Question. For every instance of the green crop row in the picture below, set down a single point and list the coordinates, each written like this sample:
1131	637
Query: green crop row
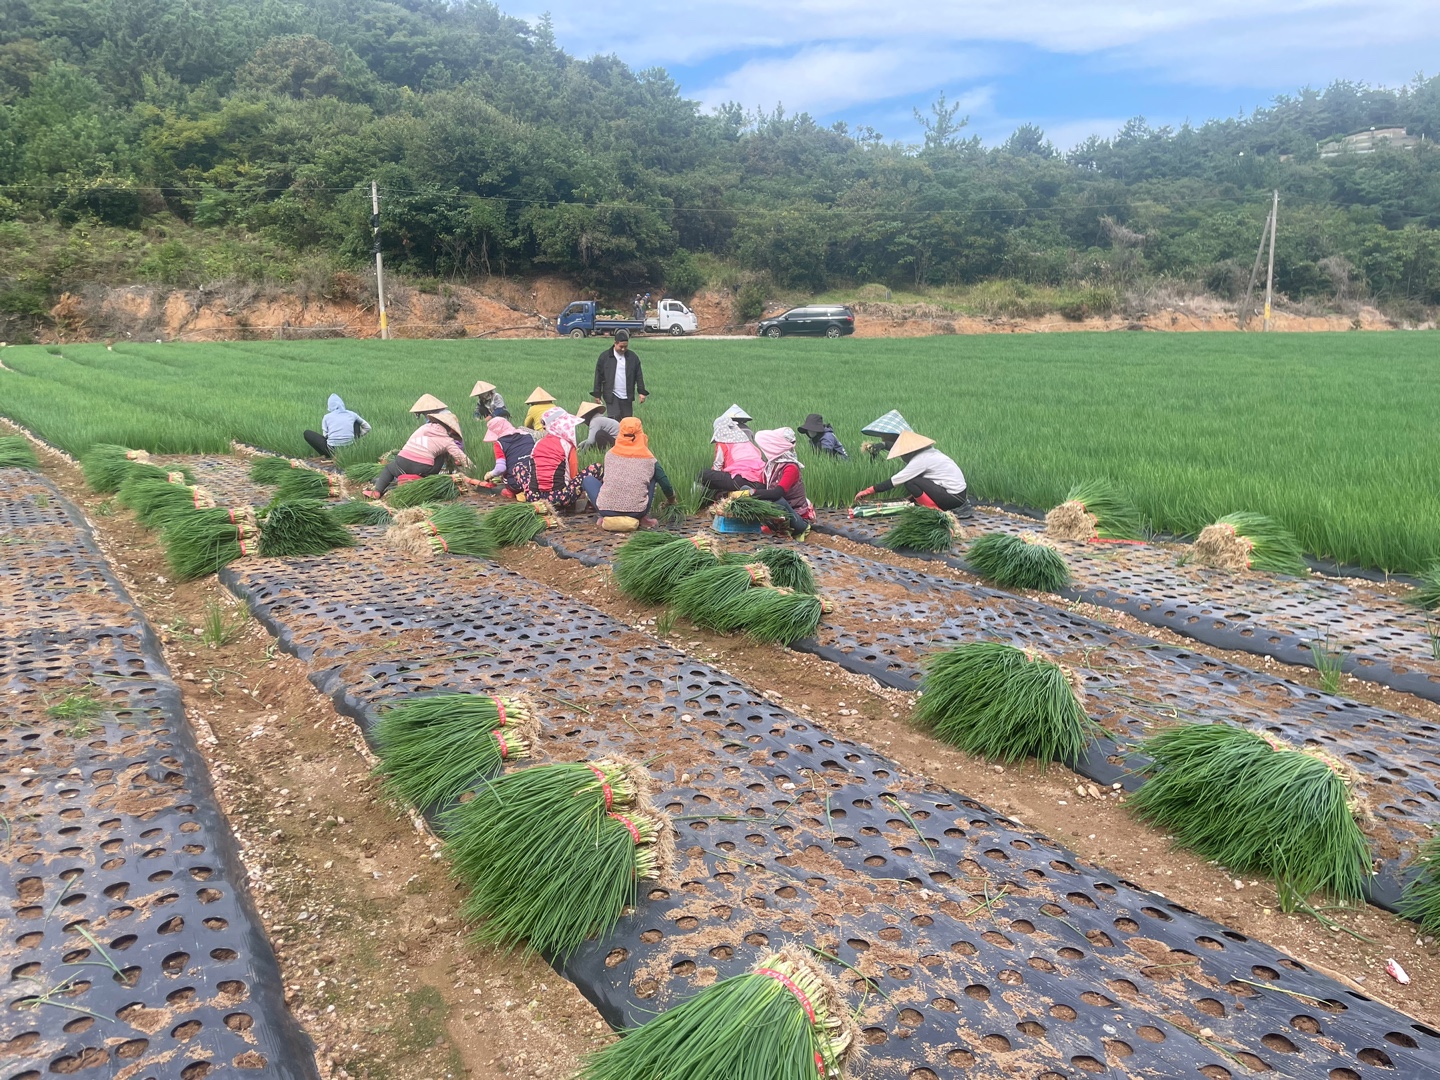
1332	434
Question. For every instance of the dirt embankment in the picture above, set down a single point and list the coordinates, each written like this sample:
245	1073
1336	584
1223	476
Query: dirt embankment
345	306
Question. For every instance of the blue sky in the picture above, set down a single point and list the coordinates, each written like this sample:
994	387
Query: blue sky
1072	67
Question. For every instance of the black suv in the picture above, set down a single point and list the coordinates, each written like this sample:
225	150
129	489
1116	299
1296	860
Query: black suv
832	320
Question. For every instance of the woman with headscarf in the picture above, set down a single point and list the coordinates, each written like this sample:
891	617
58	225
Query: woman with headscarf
930	478
553	472
884	432
822	436
437	443
737	465
340	427
626	488
488	401
512	446
783	482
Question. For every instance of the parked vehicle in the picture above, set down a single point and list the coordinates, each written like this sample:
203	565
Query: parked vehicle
832	320
584	317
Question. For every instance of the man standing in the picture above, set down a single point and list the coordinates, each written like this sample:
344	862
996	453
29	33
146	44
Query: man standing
619	383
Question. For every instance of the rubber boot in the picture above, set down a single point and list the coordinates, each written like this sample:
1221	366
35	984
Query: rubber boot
924	500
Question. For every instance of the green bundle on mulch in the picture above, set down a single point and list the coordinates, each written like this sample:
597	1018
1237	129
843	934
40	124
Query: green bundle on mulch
1250	542
1095	509
154	499
788	568
1004	703
1015	562
775	615
361	512
426	531
434	749
16	453
785	1019
741	507
1421	899
513	524
704	596
106	466
428	489
1256	805
271	469
649	570
554	853
202	541
922	528
301	527
1427	593
364	472
306	484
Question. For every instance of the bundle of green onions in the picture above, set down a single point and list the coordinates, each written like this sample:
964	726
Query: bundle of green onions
780	615
703	596
1004	703
307	484
301	527
153	499
1015	562
785	1019
788	568
881	509
271	469
1256	805
106	466
424	532
201	542
744	507
1245	541
434	749
516	523
1421	899
1427	593
428	489
1095	510
16	453
361	512
554	853
921	528
651	571
363	472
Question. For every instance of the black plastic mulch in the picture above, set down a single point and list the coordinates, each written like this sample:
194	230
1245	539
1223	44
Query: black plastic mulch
110	829
978	948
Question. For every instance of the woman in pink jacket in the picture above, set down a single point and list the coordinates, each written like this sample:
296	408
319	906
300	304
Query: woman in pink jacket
436	444
738	464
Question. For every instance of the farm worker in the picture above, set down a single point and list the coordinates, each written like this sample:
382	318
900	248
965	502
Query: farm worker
626	488
512	446
885	430
540	403
488	401
783	483
619	382
822	436
340	427
738	465
428	404
553	470
435	444
603	430
930	477
740	416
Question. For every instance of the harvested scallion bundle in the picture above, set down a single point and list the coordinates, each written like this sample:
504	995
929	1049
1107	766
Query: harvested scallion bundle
742	507
512	524
152	498
307	484
363	472
16	453
1092	510
922	528
301	527
361	512
1256	805
1015	562
1004	703
201	542
106	466
434	749
788	568
554	853
440	530
1250	542
775	615
707	592
1421	899
428	489
652	571
271	469
785	1019
1427	593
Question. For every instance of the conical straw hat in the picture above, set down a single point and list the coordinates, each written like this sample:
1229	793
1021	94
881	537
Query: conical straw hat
448	418
428	403
588	409
908	443
482	387
539	397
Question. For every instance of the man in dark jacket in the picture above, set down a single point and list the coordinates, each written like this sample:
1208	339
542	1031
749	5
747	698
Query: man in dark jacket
619	382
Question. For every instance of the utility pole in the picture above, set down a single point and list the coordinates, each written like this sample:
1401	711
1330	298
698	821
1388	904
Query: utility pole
1243	316
1270	275
380	268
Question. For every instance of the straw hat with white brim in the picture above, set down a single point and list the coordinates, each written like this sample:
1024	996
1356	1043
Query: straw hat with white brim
482	387
539	397
588	409
907	443
428	403
734	412
448	418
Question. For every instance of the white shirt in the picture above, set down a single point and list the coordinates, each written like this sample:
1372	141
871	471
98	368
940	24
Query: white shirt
620	385
933	465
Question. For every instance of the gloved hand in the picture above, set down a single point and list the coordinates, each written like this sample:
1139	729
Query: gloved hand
745	491
861	494
494	474
669	500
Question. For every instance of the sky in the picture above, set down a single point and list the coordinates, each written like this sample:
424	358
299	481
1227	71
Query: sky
1075	68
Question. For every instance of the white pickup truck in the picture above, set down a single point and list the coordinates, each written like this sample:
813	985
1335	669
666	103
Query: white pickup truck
582	318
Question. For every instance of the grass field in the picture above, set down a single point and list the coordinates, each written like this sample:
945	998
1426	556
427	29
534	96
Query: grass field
1334	434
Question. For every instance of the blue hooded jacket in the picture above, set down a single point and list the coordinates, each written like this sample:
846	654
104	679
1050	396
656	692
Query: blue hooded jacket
341	426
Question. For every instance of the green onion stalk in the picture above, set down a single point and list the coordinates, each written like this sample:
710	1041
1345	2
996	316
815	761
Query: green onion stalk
1257	806
106	466
707	592
1421	899
202	541
307	484
1004	703
152	499
1018	562
434	749
16	453
1427	593
516	523
881	509
301	527
785	1019
364	472
1095	510
1245	541
361	512
788	568
424	532
776	615
428	489
271	469
922	528
651	571
742	506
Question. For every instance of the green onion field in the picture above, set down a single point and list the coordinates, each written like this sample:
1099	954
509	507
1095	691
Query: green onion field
1334	434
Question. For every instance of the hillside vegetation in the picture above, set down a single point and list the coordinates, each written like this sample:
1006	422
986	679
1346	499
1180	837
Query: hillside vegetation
186	142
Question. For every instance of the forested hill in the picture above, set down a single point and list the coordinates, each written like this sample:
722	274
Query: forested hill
194	139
